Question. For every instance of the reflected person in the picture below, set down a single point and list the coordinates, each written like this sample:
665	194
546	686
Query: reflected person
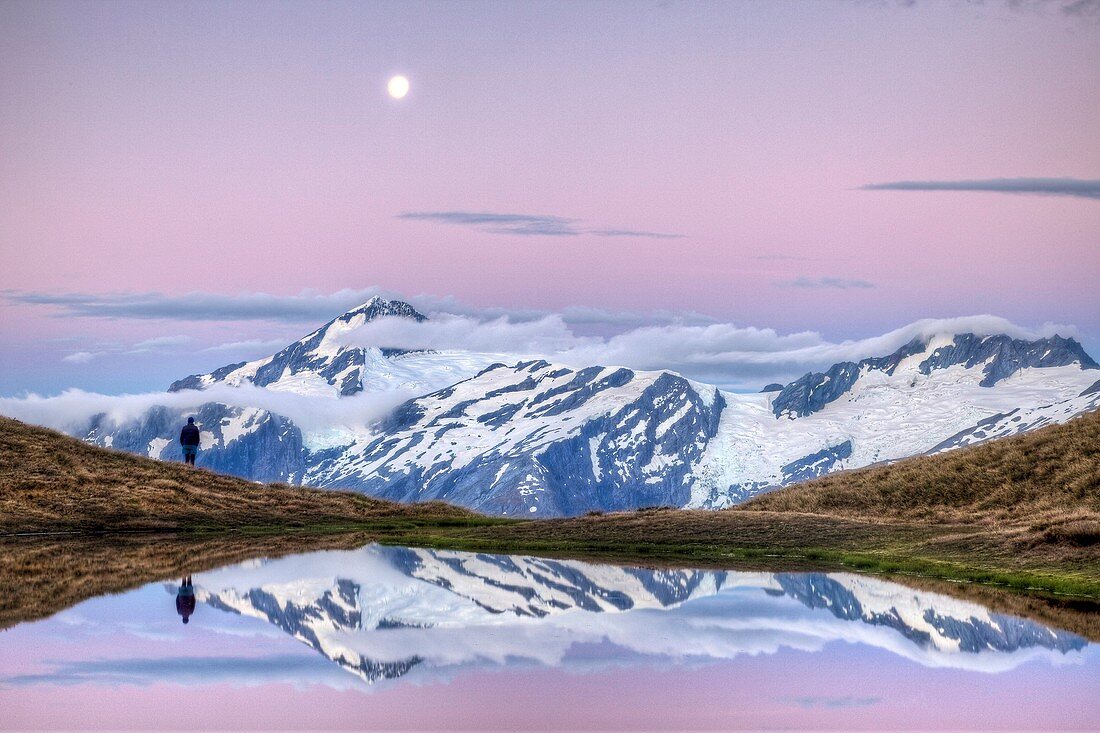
185	599
189	439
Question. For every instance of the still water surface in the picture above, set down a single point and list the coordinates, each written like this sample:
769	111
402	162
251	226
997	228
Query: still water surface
408	639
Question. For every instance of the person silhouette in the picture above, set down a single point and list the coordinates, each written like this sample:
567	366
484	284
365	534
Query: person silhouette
189	439
185	599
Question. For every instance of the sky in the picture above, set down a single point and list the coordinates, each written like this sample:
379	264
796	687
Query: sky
836	169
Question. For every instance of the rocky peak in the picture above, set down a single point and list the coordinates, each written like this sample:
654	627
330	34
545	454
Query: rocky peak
999	356
340	366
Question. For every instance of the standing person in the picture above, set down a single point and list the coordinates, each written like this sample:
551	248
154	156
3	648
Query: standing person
189	439
185	599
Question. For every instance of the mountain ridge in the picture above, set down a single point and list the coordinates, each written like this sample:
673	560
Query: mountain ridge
548	439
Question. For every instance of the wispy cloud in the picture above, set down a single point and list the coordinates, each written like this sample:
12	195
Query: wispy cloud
527	224
181	669
1081	7
257	346
160	343
840	283
307	306
81	357
522	224
1080	188
779	257
831	703
1071	8
632	233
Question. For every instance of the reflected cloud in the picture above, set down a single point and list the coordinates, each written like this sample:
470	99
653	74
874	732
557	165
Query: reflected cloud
181	669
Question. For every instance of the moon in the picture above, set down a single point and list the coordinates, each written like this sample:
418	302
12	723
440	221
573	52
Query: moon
398	87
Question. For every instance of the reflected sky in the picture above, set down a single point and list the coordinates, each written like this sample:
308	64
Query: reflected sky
405	639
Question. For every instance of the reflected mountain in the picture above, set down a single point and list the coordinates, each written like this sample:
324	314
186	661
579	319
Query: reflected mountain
384	612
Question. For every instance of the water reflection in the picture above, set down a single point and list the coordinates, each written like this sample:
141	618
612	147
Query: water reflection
185	598
395	638
383	613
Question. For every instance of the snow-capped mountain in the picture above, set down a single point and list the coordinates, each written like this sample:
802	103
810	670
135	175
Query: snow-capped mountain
385	612
540	439
322	364
537	437
243	441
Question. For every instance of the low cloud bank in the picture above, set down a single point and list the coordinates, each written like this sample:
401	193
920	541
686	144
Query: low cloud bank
733	357
71	410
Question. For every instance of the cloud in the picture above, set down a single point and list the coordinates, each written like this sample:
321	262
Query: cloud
832	703
731	356
160	343
700	347
71	410
180	669
1081	8
307	306
522	224
250	346
526	224
632	233
81	357
1089	189
1071	8
841	283
780	257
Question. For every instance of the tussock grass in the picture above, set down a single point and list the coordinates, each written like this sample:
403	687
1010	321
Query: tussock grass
1021	513
50	482
1043	487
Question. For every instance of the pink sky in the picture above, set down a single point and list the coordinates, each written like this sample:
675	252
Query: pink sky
843	686
250	147
747	695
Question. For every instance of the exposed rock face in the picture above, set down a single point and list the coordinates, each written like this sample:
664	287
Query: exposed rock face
942	628
548	439
816	464
1000	357
247	442
813	391
1003	356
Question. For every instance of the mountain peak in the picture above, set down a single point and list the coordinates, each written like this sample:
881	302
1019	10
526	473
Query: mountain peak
998	356
319	357
379	307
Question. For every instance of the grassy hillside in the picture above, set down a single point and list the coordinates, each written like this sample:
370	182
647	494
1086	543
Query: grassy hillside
50	482
1022	513
1045	483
